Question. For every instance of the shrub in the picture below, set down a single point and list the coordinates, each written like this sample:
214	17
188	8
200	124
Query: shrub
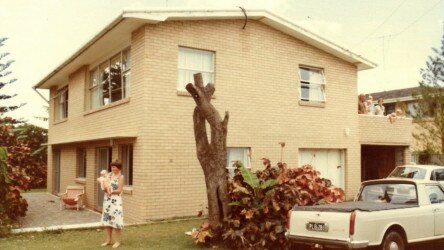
260	203
12	205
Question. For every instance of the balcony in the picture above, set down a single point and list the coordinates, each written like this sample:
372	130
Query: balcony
378	130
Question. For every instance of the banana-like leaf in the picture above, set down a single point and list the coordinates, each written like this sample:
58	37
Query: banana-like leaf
268	183
3	154
249	178
4	165
235	203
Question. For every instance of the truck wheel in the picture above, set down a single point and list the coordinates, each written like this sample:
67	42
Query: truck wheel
393	241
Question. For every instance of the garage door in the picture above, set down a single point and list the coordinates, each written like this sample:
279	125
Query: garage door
330	162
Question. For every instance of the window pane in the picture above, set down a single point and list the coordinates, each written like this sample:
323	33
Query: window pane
316	76
126	60
312	85
435	193
94	97
305	74
316	92
110	81
81	162
61	101
127	163
192	61
237	154
94	88
305	91
207	61
94	77
116	79
104	83
207	78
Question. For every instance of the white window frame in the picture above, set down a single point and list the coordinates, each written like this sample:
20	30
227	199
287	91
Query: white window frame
61	101
96	85
230	166
312	85
188	68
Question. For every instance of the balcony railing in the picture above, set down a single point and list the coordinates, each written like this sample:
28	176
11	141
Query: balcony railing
379	130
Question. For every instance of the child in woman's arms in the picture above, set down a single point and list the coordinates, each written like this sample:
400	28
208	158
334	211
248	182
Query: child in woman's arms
104	182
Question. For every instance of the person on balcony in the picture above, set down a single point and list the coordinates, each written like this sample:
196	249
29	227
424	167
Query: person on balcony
369	105
362	109
380	109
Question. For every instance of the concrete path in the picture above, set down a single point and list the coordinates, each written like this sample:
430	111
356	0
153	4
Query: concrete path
44	214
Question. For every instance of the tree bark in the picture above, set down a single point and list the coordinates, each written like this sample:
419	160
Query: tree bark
212	155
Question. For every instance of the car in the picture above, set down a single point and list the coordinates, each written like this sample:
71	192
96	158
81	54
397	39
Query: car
423	172
386	213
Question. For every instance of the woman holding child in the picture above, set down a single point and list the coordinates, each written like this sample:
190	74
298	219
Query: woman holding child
112	214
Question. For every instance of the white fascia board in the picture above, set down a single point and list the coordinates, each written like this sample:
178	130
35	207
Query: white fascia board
267	17
311	38
161	15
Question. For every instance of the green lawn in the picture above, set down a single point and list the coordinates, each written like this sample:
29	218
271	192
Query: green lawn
167	235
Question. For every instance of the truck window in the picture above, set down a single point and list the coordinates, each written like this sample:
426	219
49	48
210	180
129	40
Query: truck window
437	175
435	194
408	172
389	193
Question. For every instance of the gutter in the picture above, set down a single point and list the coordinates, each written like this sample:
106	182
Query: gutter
44	98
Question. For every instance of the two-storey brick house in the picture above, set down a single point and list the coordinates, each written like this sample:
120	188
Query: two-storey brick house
121	96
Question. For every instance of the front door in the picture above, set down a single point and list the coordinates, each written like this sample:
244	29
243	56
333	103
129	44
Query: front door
330	162
56	173
103	161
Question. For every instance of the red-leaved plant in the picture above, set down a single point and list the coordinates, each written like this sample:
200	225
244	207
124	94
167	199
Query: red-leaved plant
260	203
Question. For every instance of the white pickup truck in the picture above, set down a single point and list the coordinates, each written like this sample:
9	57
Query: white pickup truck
390	213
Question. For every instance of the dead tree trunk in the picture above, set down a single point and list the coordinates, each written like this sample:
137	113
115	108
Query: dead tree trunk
212	156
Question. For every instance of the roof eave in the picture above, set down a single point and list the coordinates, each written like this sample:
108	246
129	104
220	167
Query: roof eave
82	49
269	18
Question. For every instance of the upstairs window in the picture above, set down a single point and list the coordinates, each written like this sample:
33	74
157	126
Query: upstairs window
312	83
192	61
61	103
110	81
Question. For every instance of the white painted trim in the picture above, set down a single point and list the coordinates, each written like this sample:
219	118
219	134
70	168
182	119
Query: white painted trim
135	18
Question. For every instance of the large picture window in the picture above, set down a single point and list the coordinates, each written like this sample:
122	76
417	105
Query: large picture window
61	103
192	61
110	81
312	82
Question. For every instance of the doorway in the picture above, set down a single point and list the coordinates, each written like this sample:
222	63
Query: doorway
330	162
103	161
378	161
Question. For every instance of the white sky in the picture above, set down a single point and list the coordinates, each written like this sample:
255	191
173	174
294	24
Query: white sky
398	35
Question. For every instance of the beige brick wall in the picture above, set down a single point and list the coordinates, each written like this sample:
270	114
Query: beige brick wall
379	130
256	79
